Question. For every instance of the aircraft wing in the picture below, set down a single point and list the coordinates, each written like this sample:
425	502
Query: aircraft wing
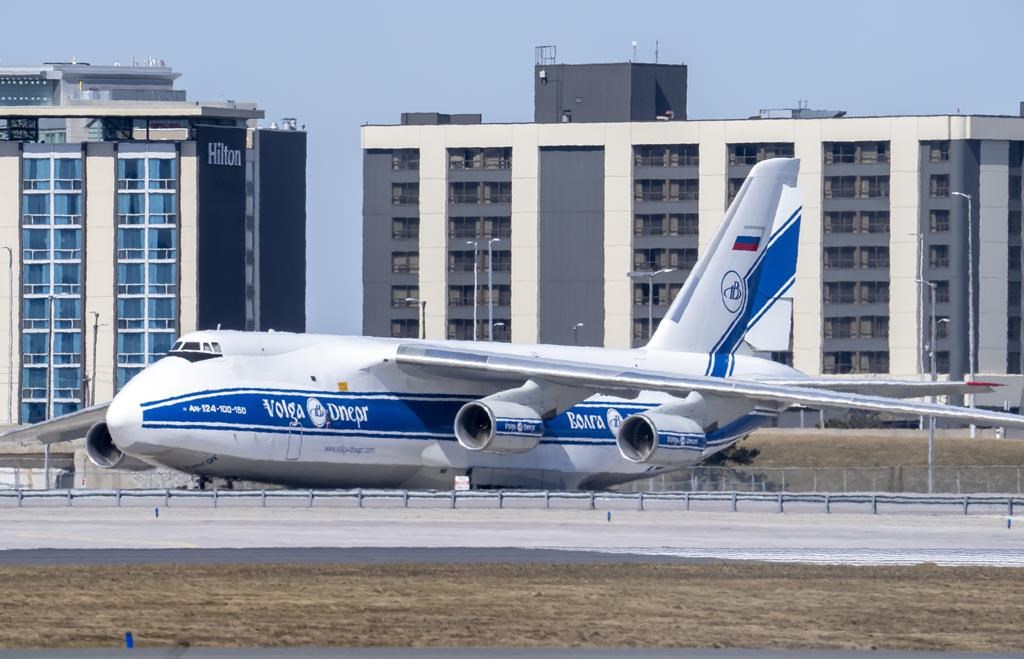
472	364
62	428
890	388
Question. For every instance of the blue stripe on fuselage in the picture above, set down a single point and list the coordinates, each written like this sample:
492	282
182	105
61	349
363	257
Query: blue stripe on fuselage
372	415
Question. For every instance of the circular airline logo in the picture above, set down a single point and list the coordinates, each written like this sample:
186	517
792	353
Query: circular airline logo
317	412
614	419
733	291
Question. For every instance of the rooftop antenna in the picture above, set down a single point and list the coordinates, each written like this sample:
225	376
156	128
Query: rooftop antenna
656	45
634	51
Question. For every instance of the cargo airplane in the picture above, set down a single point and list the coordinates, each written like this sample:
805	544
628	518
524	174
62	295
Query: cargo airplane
333	411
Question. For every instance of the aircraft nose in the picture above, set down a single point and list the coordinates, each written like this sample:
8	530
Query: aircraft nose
124	420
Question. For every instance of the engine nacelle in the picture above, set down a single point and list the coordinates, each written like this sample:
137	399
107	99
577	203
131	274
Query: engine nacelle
497	426
661	439
100	447
103	452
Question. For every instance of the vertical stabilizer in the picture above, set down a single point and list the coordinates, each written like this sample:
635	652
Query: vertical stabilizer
747	268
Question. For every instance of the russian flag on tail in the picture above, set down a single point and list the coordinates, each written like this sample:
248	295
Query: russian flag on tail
746	243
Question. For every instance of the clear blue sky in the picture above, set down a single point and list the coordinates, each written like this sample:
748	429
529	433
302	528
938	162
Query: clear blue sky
336	65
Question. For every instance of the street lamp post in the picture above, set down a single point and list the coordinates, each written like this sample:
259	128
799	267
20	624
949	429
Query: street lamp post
970	296
10	335
476	249
490	290
650	274
423	314
49	389
576	333
934	372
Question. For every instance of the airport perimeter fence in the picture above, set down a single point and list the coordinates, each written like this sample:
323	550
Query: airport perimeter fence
545	499
1003	479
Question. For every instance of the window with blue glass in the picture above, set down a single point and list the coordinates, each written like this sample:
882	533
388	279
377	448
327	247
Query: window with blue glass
51	275
147	262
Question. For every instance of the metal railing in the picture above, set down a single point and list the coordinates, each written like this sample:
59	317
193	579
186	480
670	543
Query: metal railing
957	480
499	498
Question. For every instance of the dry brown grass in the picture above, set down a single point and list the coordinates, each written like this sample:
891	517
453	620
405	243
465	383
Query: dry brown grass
853	448
729	605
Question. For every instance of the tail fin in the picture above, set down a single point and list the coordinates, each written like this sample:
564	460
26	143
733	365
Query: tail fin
748	266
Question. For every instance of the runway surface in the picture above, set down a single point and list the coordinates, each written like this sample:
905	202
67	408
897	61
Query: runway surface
500	653
440	535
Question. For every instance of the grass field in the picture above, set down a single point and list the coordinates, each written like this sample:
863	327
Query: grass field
713	605
876	448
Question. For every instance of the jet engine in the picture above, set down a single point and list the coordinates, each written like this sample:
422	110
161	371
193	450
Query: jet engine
103	452
661	439
498	426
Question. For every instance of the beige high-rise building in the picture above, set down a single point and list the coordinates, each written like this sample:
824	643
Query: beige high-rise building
131	216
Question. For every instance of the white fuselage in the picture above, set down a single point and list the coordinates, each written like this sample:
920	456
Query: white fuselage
329	411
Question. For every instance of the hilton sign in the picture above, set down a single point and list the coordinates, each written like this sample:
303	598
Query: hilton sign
218	153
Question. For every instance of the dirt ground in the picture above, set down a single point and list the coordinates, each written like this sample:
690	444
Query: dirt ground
712	605
853	448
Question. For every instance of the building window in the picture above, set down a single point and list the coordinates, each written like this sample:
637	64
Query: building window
497	192
838	328
938	221
840	187
749	154
844	362
839	222
405	193
405	228
489	158
666	155
147	261
1013	294
874	292
941	292
874	222
1013	258
641	332
734	186
464	193
665	190
400	296
405	159
1013	362
51	265
479	227
837	258
658	258
873	257
856	152
1013	224
941	362
663	294
938	185
938	256
782	357
938	151
874	187
405	262
405	328
839	292
675	224
1012	328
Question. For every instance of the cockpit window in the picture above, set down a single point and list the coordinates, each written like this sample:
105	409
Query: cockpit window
195	351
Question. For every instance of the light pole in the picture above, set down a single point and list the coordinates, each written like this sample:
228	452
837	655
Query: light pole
423	314
490	290
931	357
49	390
10	335
970	296
650	274
476	249
95	338
576	333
